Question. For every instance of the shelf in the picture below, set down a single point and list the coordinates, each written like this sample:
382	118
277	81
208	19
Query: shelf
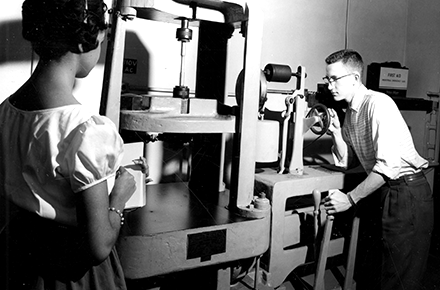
413	104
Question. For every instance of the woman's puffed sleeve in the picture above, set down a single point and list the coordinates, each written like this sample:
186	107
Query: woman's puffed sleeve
96	151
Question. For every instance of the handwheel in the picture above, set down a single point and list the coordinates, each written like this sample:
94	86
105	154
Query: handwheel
323	124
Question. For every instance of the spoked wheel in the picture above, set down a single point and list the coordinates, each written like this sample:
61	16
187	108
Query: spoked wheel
323	124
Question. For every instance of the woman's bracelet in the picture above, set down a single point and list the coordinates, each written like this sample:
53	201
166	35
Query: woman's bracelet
350	199
120	214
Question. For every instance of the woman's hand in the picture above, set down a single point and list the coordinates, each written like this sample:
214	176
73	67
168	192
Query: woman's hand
142	162
124	187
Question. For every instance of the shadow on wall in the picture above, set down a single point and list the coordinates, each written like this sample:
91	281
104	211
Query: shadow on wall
17	59
13	47
136	71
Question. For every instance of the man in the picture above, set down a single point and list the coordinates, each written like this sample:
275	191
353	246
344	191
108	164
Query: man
394	200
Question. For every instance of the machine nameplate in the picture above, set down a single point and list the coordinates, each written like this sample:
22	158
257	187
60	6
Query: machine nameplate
204	245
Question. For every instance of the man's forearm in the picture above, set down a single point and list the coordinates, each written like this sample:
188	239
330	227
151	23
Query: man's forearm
370	184
340	147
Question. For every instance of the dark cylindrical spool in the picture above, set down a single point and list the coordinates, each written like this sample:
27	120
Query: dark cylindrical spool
277	73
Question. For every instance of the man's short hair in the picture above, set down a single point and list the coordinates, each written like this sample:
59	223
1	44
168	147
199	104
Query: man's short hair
348	57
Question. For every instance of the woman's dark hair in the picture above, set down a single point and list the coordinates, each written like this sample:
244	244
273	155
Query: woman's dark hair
55	27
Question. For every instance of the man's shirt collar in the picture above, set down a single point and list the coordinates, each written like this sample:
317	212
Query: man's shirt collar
358	98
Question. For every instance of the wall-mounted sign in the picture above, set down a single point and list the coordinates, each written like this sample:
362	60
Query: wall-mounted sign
393	78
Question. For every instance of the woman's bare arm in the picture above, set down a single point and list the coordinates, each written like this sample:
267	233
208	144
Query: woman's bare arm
99	225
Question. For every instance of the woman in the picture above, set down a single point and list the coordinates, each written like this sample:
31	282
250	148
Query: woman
56	158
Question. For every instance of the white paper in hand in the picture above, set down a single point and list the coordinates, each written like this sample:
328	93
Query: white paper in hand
133	151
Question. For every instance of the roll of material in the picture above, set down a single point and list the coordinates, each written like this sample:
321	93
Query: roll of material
277	73
267	141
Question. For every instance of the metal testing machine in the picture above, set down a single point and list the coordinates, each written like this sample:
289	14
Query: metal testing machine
199	223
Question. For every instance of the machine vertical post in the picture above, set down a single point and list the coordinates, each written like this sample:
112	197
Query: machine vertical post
112	83
296	163
242	186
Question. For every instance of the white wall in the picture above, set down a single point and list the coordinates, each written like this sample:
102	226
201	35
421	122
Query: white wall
15	53
423	47
299	32
296	32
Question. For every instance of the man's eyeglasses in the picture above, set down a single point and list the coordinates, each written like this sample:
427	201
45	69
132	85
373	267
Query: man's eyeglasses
333	79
